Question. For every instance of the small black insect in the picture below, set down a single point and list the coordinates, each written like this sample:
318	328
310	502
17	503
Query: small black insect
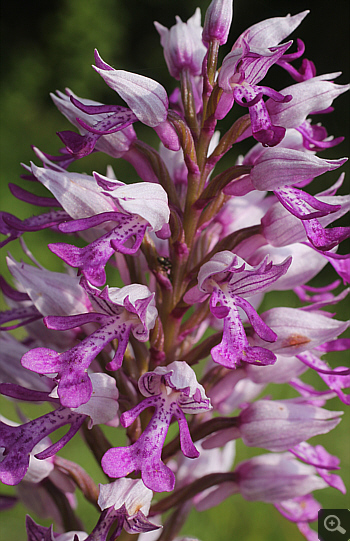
166	264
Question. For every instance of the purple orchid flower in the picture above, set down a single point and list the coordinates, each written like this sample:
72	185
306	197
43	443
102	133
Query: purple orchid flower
11	370
300	509
128	501
147	101
315	137
52	293
270	32
118	144
23	441
336	379
272	478
306	263
228	279
36	532
307	69
240	72
137	207
278	425
146	98
14	227
124	503
112	120
310	96
91	201
42	292
305	217
119	312
88	112
319	457
276	168
19	441
172	390
299	330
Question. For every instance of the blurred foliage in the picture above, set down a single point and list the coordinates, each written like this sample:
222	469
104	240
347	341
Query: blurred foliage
49	45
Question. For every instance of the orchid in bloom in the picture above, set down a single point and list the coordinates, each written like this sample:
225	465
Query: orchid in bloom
254	52
241	70
124	504
136	217
172	391
186	306
129	501
112	202
228	279
19	442
35	531
119	312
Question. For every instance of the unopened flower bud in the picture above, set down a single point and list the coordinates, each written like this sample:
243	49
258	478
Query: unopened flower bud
218	21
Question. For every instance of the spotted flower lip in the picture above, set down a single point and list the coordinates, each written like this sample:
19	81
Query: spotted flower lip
119	312
129	211
19	441
37	469
240	72
172	391
228	279
24	441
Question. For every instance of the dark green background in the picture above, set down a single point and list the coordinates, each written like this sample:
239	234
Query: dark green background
49	45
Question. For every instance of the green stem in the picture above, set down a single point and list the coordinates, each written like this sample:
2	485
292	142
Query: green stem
188	102
70	521
175	522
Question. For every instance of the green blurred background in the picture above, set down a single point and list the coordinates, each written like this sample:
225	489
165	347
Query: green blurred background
49	45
